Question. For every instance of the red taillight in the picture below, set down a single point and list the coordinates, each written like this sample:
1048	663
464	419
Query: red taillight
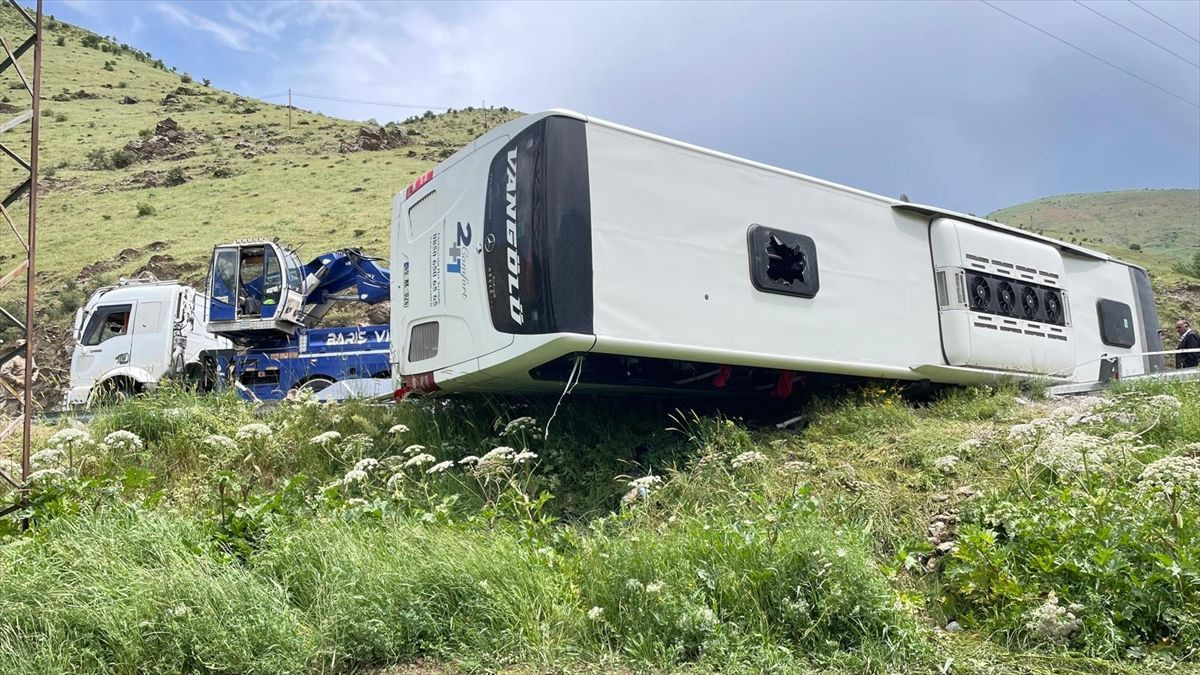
423	383
418	183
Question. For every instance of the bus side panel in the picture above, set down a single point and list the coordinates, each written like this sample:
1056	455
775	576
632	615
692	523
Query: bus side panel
1090	281
672	264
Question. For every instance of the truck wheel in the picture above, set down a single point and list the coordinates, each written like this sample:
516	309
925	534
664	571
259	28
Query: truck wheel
316	384
112	392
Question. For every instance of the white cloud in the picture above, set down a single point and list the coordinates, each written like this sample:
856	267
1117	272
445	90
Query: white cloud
230	36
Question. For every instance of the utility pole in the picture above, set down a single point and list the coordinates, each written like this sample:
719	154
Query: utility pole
289	108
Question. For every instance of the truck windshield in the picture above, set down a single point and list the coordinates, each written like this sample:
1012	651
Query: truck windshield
295	272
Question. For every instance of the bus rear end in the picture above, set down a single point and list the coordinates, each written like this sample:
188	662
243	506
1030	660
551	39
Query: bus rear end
491	259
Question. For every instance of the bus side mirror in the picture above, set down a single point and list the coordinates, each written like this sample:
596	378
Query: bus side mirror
78	322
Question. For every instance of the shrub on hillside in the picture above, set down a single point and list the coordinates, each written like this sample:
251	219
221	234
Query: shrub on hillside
145	209
1095	544
1191	269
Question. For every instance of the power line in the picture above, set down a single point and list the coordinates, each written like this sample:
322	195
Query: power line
1110	64
1167	23
1134	32
379	103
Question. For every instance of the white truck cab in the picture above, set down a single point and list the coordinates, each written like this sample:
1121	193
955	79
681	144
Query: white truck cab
130	335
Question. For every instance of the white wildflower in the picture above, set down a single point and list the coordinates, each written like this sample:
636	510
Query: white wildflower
1164	403
253	431
358	502
393	483
632	584
1171	478
219	442
523	456
10	467
595	613
353	477
398	429
646	483
1072	453
797	466
1022	432
747	458
700	620
414	449
440	466
970	445
126	441
1052	623
1062	412
654	587
367	464
52	456
69	437
325	438
45	476
519	425
179	611
420	460
947	464
469	460
502	453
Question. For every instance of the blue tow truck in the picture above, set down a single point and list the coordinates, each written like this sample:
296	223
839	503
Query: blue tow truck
267	303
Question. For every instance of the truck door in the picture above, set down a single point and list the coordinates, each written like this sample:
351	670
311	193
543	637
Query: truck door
151	340
105	344
223	294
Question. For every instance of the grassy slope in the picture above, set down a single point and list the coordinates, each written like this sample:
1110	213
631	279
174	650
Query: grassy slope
1164	223
811	557
298	186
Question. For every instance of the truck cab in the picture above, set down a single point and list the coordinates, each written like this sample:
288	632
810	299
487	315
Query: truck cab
131	335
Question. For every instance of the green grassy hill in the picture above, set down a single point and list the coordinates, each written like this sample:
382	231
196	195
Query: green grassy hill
1161	223
231	168
1157	229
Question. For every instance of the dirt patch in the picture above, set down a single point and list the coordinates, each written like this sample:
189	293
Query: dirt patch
124	257
74	96
1187	295
127	100
155	179
167	141
165	266
375	138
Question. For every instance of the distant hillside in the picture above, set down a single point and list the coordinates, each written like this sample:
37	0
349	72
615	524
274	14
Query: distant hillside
1157	229
1162	223
146	169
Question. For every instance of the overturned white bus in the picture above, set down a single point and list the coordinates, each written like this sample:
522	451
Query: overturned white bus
559	248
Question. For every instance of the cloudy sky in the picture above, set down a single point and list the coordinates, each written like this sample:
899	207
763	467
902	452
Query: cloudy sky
953	103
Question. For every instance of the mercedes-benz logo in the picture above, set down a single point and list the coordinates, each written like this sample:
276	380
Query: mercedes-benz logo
489	243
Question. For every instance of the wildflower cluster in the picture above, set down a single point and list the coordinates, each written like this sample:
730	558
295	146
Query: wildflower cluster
1072	453
946	464
1053	624
123	441
254	431
70	439
748	458
1171	478
220	443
